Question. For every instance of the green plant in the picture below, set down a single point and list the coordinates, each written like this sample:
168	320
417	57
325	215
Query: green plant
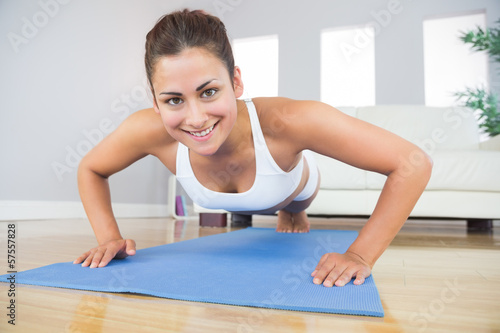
485	102
484	40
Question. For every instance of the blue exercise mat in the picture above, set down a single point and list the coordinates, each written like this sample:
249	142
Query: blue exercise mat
255	267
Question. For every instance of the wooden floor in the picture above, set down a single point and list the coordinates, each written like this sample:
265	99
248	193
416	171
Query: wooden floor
433	278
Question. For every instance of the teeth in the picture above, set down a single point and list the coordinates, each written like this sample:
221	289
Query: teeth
203	133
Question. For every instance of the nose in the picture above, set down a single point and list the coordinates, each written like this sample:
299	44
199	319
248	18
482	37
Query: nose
196	116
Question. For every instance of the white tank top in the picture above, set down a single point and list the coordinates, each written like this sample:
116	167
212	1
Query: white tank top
271	186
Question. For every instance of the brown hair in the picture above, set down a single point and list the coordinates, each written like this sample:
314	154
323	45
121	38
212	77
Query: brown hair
184	29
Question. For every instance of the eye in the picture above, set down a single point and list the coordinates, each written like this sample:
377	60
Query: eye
174	101
209	92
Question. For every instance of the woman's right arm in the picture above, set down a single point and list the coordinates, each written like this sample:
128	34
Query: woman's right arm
134	139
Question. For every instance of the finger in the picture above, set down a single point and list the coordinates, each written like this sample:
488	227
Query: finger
324	257
106	258
130	247
360	279
88	260
357	272
81	258
97	258
333	276
127	249
345	278
328	266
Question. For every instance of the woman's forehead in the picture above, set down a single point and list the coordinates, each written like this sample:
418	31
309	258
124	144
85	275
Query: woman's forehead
188	70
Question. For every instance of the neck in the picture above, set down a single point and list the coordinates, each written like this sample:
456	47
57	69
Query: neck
241	133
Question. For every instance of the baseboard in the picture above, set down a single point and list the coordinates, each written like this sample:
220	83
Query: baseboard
42	210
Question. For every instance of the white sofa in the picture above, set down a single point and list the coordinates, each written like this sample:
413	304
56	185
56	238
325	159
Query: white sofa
465	180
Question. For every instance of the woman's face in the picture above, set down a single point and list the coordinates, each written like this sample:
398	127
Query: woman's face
196	99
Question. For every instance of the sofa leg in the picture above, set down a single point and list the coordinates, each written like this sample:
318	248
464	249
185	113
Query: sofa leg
480	225
241	220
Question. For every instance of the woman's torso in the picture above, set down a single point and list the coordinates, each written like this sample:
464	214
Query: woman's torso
236	173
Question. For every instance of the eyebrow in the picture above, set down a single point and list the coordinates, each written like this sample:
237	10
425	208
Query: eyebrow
203	85
179	94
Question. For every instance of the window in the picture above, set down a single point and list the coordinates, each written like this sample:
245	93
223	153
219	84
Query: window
258	60
450	65
348	66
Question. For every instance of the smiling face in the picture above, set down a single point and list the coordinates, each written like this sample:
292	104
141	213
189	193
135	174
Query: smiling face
196	99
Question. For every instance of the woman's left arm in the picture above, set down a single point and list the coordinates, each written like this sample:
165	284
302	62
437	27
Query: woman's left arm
325	130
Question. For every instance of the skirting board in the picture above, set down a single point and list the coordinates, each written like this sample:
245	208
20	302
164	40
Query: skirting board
42	210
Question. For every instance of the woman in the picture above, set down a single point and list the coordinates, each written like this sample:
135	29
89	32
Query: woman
244	156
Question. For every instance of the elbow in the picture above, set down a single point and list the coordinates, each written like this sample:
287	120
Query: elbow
428	164
83	165
86	170
416	165
425	166
83	169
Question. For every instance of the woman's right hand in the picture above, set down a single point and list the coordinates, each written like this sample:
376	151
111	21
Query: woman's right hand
101	255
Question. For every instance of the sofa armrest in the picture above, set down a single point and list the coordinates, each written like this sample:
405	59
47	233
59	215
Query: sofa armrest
491	144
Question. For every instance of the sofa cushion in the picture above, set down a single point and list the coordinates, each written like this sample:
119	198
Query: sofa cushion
457	170
336	175
431	128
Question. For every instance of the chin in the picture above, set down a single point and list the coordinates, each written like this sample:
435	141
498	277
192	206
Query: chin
205	150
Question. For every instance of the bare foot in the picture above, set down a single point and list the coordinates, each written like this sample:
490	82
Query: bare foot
292	222
300	222
285	222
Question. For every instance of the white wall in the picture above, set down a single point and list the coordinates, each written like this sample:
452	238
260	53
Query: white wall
70	68
82	70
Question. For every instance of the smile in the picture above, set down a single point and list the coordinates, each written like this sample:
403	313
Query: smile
203	133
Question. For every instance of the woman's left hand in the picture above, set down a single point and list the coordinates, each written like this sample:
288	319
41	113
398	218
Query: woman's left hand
338	269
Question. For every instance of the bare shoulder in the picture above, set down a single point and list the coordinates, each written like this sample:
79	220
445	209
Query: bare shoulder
289	118
147	130
288	110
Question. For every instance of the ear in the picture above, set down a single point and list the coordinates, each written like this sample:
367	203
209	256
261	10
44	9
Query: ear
155	104
237	82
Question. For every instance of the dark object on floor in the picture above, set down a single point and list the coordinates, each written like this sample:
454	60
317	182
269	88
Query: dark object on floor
475	225
241	221
213	220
